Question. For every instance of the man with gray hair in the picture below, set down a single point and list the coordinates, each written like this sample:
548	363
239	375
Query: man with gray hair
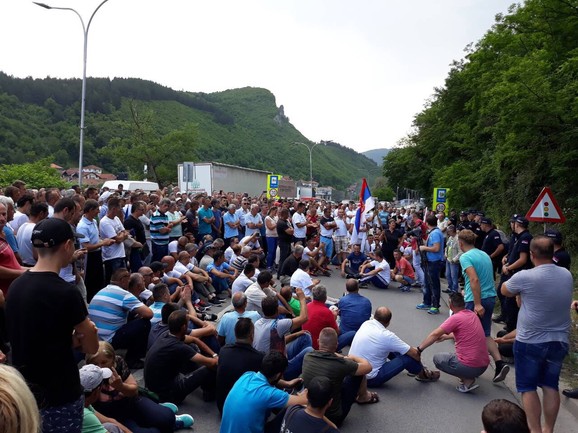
231	224
321	317
226	327
290	265
253	221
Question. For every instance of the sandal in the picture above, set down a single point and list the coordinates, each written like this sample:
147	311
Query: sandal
374	398
428	375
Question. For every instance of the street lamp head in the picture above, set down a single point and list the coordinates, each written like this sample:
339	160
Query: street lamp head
42	5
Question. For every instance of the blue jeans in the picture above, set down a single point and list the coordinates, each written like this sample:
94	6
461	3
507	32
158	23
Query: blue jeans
538	365
452	275
393	367
328	246
432	289
345	339
296	351
140	414
271	250
132	336
220	284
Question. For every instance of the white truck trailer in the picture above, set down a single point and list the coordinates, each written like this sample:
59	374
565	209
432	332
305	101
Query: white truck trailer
210	177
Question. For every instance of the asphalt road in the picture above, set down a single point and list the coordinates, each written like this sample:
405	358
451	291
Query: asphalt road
407	405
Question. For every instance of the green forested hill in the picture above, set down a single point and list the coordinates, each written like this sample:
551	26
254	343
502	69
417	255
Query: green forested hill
505	124
131	122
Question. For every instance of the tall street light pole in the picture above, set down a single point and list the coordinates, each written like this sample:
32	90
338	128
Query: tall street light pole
310	149
83	97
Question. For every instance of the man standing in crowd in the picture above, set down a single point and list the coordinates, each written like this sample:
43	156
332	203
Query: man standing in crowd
113	255
231	224
160	229
88	227
492	245
328	226
480	293
299	224
40	294
434	250
542	332
285	234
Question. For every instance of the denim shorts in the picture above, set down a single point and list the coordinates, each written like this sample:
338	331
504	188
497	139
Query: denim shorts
538	365
488	304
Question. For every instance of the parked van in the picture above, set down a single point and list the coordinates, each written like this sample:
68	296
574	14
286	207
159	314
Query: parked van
131	185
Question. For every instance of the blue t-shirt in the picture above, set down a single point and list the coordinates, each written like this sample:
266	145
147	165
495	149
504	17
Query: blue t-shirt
435	236
226	327
484	269
230	218
205	228
355	261
10	238
354	309
248	404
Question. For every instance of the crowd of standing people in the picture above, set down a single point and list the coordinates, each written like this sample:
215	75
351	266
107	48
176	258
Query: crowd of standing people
124	280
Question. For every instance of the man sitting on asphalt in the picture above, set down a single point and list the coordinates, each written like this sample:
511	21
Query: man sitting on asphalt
376	272
302	280
403	272
245	279
316	257
226	326
109	310
471	358
254	395
346	373
386	352
290	265
354	309
237	358
259	290
197	278
311	418
221	273
272	333
321	317
166	359
350	266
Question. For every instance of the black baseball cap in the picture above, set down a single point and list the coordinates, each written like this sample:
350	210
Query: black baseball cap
514	218
555	235
52	232
522	221
486	221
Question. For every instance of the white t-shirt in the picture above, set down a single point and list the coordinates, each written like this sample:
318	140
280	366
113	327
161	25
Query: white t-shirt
385	269
181	269
109	228
173	246
228	254
23	238
302	280
255	294
249	218
374	342
241	283
299	232
19	219
341	229
271	233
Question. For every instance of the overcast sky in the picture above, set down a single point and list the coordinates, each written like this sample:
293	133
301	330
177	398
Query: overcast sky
352	71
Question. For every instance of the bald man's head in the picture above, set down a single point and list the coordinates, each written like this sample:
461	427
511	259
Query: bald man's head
383	315
286	293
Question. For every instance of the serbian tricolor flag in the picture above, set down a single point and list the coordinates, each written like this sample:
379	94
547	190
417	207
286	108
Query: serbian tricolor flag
366	205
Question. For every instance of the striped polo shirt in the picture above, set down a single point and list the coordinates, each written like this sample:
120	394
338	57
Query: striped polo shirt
158	221
109	310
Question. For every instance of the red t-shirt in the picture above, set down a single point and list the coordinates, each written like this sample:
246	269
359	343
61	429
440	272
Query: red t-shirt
7	260
405	268
319	317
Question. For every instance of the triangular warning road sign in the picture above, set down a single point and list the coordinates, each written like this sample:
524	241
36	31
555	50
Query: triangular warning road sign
545	209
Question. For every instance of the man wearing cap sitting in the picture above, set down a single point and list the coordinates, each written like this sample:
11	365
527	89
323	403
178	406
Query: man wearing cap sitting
91	379
40	300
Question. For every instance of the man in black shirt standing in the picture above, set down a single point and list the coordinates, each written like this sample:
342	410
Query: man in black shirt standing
236	359
136	228
285	233
492	245
561	256
39	300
